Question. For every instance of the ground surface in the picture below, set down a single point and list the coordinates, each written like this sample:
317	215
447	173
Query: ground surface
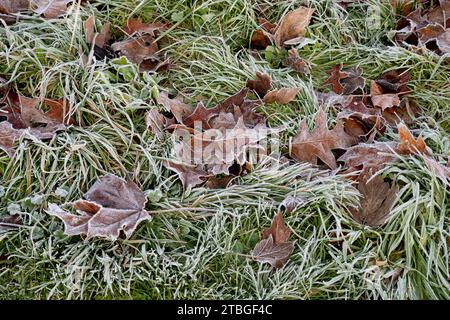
180	254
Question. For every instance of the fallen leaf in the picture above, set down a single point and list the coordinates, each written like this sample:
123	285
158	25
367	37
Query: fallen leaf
112	205
369	157
409	145
281	96
318	144
141	46
336	75
99	39
157	122
176	106
13	6
261	85
50	8
10	223
441	171
296	63
280	233
377	202
292	26
274	248
292	203
353	82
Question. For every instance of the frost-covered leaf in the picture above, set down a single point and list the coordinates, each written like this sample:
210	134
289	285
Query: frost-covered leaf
274	248
112	205
318	144
376	203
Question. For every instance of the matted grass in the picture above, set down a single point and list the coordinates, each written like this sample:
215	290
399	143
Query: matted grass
195	246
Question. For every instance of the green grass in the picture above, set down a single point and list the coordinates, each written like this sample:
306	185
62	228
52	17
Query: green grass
195	247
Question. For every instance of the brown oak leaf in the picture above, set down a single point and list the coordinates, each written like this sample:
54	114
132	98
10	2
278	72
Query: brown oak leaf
318	144
376	203
112	205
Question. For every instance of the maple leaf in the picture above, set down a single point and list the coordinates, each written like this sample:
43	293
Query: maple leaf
377	202
292	26
281	96
10	223
274	248
336	75
369	157
112	205
21	114
157	122
311	146
353	81
296	63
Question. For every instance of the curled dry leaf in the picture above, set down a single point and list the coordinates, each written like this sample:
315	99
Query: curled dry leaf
112	205
281	96
212	141
10	223
274	248
292	26
318	144
409	145
377	202
289	31
347	81
426	27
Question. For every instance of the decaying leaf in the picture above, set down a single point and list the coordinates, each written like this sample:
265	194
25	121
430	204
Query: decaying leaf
141	46
292	26
14	6
112	205
377	202
318	144
10	223
216	141
274	248
349	81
